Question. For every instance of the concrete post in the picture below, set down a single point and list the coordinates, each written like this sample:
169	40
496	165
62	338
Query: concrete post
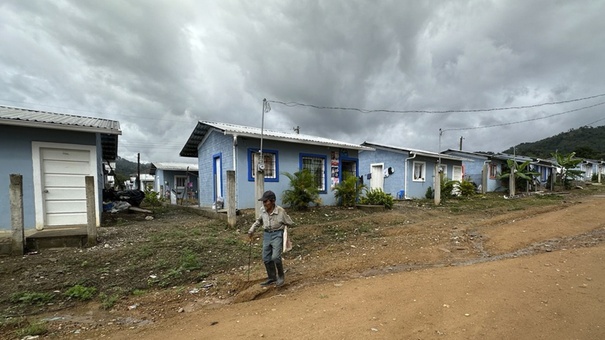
91	211
484	178
437	186
259	185
231	218
511	181
16	205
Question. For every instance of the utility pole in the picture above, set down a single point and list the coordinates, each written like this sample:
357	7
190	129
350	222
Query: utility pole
461	138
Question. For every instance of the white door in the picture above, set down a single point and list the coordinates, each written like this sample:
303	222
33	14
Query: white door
377	180
457	174
218	180
59	180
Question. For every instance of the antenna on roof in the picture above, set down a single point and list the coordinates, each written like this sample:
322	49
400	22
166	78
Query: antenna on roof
296	129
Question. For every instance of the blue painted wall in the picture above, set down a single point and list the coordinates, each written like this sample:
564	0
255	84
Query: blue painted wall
403	165
16	158
237	158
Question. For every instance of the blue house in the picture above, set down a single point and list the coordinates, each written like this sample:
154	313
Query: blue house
178	179
404	172
53	153
481	169
220	147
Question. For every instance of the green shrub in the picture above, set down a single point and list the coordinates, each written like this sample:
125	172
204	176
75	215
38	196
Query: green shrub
377	197
347	192
429	193
80	292
303	190
467	188
152	198
31	298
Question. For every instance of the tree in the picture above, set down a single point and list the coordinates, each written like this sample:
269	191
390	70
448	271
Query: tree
521	171
568	166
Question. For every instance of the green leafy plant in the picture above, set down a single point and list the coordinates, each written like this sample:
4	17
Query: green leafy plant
521	171
108	301
80	292
377	197
429	193
152	198
348	191
467	188
568	164
32	329
303	190
31	298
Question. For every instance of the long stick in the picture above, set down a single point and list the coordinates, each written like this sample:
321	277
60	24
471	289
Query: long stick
249	257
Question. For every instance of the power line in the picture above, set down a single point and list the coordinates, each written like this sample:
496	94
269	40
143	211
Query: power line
526	120
293	104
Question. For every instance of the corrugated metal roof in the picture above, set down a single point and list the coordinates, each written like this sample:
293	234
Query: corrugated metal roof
414	151
109	129
174	166
203	127
35	118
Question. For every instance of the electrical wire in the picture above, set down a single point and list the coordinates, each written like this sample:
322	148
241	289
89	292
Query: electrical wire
293	104
525	120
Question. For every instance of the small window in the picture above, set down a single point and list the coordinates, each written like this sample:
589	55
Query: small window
271	169
316	164
493	170
419	171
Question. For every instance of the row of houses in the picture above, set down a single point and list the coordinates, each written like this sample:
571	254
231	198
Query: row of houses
53	152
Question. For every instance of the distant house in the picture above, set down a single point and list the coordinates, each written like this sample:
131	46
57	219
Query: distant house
179	179
220	147
404	172
545	167
479	168
53	152
591	167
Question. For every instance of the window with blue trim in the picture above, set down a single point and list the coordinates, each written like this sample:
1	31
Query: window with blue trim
271	170
316	164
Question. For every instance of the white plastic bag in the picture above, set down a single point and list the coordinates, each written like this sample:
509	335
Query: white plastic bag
287	242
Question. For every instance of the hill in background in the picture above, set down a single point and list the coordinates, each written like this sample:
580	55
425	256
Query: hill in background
586	142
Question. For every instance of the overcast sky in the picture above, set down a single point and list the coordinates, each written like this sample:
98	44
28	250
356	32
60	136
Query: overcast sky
158	67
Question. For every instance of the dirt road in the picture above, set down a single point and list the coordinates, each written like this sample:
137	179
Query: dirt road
535	274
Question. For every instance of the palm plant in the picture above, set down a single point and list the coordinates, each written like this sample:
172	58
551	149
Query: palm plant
303	190
348	191
568	170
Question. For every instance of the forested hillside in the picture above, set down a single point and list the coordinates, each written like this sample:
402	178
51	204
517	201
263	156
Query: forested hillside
586	142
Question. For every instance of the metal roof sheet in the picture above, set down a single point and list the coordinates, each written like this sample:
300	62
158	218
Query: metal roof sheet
35	118
415	151
203	127
171	166
109	129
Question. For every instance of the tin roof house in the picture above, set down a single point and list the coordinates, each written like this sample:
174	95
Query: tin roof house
220	147
404	172
53	153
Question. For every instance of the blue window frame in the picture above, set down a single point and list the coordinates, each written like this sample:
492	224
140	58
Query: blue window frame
317	165
271	161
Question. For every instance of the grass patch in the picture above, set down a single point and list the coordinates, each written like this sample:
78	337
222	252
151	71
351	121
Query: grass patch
32	298
81	293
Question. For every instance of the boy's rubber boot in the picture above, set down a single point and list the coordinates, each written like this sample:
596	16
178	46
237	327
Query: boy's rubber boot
270	266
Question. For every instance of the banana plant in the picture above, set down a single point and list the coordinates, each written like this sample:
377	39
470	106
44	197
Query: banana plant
568	167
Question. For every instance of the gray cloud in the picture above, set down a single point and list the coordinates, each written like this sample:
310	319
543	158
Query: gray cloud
158	67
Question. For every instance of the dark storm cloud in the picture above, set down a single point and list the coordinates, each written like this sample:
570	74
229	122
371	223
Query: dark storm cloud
159	66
